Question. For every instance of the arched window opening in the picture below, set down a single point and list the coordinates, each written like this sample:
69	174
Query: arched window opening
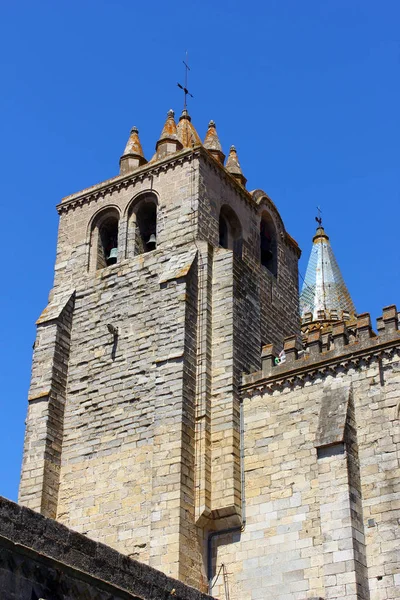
142	225
230	230
146	228
268	244
104	239
223	232
108	241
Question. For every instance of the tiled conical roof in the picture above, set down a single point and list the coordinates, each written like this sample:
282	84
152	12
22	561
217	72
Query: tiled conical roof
169	131
233	166
212	143
324	295
133	156
187	134
133	145
168	142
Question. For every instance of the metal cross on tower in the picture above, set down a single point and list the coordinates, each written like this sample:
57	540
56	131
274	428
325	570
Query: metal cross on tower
319	218
184	88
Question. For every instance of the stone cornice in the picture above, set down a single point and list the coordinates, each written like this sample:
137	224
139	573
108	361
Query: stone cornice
124	181
308	367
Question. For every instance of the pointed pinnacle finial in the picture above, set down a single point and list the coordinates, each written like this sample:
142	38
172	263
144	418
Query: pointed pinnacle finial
234	168
168	142
187	134
133	156
212	143
185	115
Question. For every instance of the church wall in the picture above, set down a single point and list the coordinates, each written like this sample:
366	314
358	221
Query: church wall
128	426
321	477
175	186
277	297
40	558
148	448
47	395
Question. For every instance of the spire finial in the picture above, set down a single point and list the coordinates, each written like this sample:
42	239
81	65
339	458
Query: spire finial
212	143
233	166
185	88
133	156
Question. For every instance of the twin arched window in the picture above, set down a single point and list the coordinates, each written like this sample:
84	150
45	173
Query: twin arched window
106	244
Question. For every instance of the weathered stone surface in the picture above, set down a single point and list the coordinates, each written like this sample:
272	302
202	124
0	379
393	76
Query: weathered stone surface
40	558
143	434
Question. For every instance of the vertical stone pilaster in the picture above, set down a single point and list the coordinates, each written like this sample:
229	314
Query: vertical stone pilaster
173	541
345	572
203	388
44	429
225	425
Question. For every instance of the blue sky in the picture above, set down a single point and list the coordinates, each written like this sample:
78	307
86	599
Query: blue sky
308	91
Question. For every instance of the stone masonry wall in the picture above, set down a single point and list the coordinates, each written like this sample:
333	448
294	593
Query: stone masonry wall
175	184
322	443
277	297
40	558
126	436
148	443
47	396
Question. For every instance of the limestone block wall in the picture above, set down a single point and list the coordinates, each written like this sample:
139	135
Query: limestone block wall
175	184
47	396
127	461
277	297
144	441
40	558
321	472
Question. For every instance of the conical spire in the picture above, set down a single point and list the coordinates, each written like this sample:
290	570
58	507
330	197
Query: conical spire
324	296
133	156
187	134
212	143
168	142
234	168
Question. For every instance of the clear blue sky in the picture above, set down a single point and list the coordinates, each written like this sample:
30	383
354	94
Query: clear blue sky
308	91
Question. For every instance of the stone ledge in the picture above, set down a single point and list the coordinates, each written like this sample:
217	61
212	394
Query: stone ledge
44	538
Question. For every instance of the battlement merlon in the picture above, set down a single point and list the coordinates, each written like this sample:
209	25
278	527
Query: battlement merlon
341	346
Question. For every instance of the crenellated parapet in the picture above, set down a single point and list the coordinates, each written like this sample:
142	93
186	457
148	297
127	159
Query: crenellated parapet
342	347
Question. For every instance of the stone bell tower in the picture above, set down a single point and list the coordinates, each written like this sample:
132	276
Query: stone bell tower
169	279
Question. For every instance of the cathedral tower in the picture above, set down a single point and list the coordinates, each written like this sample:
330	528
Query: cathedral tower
169	279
